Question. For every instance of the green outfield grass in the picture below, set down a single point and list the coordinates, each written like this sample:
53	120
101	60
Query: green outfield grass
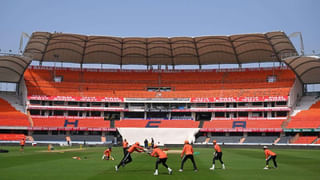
240	164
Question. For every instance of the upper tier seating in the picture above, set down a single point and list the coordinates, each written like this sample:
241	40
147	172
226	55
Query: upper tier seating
9	116
307	118
135	84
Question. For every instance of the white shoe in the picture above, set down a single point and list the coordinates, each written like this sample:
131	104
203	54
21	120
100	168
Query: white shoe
116	167
223	167
265	168
170	171
155	173
211	168
180	170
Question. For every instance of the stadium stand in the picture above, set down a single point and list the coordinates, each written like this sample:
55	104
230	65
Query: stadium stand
284	140
306	118
270	123
260	139
49	137
226	139
201	139
86	138
305	140
9	116
11	137
157	123
135	84
317	141
153	102
54	121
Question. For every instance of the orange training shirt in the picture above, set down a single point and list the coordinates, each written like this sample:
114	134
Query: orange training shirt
268	153
107	152
135	148
124	144
157	152
217	148
22	142
187	149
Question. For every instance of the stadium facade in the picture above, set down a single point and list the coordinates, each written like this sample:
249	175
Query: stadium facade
162	100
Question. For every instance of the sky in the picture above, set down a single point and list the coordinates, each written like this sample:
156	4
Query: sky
160	18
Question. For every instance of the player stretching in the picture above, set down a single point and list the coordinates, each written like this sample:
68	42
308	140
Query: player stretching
187	153
217	155
270	155
162	158
127	157
107	154
125	146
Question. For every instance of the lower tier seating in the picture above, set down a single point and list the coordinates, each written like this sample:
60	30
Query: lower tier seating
307	118
260	139
53	121
226	139
284	140
305	140
243	123
157	123
12	137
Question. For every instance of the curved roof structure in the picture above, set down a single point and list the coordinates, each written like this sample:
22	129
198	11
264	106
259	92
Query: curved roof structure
12	68
307	68
234	49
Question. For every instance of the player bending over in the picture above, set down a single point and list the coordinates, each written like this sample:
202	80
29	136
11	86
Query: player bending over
270	155
107	154
187	153
217	155
127	157
162	158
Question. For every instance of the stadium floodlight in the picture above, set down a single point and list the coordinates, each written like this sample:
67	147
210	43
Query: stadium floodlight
296	34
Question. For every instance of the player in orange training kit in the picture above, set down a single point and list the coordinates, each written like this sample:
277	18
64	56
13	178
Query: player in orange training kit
22	143
217	155
107	154
125	146
127	157
187	153
270	155
162	158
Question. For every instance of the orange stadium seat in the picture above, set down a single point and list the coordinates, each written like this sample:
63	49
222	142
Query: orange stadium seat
12	137
305	140
9	116
318	141
157	123
54	121
135	84
307	118
249	123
